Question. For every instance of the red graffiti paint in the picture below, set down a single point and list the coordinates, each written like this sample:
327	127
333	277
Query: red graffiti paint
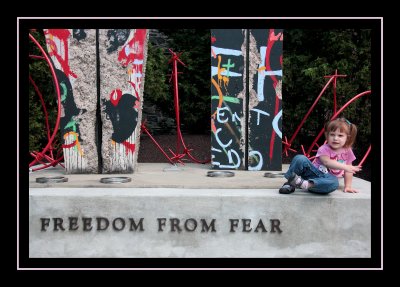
63	35
271	41
274	37
133	50
69	145
129	147
213	40
134	88
137	102
115	96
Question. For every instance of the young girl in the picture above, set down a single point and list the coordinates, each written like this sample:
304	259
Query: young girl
334	159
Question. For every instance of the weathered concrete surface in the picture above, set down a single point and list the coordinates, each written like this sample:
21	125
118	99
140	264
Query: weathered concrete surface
152	175
123	54
73	52
336	225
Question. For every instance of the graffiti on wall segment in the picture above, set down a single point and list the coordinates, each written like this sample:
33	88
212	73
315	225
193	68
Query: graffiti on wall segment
99	72
228	101
122	54
246	99
77	83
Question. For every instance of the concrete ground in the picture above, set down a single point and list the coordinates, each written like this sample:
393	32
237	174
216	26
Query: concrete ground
164	175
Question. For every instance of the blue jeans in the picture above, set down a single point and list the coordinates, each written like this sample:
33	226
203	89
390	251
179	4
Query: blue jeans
323	182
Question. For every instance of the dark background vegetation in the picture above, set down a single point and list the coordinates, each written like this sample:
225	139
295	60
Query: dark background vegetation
308	55
40	73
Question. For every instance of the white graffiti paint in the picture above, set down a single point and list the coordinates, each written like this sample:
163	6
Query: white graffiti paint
216	149
235	117
224	51
219	141
137	62
275	124
260	162
214	71
263	73
230	160
217	163
258	114
74	156
220	114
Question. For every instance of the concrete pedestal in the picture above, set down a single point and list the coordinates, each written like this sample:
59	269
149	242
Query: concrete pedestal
168	217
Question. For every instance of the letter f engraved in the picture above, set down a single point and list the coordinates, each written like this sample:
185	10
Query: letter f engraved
161	223
45	223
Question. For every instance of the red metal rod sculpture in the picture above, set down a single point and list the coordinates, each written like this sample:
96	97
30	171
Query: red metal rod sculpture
333	78
50	160
177	155
144	129
334	117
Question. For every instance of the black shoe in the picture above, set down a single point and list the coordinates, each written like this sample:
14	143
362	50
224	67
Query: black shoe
286	188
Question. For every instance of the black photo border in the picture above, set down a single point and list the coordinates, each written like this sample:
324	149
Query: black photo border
24	24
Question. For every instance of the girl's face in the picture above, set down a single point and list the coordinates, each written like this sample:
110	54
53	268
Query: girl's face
337	139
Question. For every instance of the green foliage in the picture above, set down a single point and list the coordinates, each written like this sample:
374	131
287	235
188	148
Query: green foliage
156	88
194	82
308	55
41	75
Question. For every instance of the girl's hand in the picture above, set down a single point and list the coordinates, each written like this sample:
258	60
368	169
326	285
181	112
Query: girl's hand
350	189
352	169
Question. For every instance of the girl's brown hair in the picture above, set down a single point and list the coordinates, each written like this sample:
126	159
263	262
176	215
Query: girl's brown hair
344	126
